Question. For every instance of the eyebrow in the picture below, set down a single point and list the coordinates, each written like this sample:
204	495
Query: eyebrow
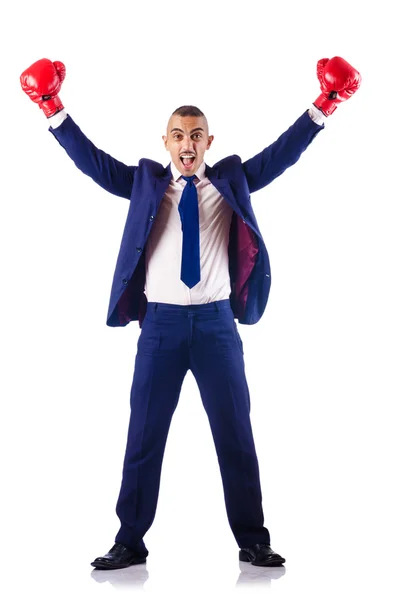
181	130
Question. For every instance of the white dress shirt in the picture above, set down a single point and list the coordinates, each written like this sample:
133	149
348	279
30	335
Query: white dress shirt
164	247
163	251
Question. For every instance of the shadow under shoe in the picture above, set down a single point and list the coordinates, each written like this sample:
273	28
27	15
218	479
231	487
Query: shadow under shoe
261	555
120	557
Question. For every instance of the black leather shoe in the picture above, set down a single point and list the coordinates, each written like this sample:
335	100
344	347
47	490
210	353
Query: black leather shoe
120	557
261	555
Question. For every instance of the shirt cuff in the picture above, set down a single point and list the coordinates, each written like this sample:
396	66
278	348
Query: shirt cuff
316	115
56	120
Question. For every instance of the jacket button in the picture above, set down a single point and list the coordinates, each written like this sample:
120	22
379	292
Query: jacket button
125	281
139	249
151	217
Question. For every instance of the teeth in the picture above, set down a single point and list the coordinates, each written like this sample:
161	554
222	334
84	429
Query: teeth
187	155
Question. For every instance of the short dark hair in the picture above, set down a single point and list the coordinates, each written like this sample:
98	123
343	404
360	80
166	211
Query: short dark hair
188	111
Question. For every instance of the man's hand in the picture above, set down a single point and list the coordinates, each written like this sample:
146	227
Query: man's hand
338	81
42	83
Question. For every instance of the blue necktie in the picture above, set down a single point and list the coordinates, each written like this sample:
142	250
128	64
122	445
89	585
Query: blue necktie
188	210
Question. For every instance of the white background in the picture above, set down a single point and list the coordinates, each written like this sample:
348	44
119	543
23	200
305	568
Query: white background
321	362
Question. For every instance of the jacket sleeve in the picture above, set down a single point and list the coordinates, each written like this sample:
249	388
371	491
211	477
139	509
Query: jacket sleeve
261	169
111	174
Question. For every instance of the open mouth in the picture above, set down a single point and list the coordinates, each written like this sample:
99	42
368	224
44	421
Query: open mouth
187	160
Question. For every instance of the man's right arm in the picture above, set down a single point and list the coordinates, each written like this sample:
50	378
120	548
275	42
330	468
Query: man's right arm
111	174
42	82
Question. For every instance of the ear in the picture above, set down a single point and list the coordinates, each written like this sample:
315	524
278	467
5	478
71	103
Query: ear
165	141
210	140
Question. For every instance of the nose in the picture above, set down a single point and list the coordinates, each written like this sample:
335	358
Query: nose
188	144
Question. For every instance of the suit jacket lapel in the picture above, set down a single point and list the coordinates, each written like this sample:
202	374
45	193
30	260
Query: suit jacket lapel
161	183
223	187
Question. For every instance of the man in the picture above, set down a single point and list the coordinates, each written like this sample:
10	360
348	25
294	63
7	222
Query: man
191	260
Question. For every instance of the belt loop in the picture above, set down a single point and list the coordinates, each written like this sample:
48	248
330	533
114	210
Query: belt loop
216	306
155	307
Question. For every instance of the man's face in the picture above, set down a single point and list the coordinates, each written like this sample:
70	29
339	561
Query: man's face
187	140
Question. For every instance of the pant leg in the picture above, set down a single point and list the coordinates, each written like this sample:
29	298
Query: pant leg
217	363
160	367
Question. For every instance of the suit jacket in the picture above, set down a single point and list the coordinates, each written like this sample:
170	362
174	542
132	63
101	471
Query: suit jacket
144	185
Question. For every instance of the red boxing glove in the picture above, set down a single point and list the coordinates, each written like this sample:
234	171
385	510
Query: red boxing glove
42	83
338	81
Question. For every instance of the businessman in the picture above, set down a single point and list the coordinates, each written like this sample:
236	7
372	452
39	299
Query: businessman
192	260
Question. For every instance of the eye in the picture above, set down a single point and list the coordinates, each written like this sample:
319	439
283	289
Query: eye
197	135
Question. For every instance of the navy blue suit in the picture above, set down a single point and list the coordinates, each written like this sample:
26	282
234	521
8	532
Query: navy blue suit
145	185
202	338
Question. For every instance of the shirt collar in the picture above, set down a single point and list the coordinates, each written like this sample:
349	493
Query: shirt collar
200	172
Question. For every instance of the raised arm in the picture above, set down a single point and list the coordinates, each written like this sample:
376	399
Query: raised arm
338	82
265	166
42	83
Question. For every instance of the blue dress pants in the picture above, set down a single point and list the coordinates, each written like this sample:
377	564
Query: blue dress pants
205	339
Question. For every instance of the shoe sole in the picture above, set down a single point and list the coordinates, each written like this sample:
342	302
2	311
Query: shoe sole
109	566
275	561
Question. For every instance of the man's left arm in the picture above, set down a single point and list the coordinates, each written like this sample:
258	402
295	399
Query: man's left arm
338	82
